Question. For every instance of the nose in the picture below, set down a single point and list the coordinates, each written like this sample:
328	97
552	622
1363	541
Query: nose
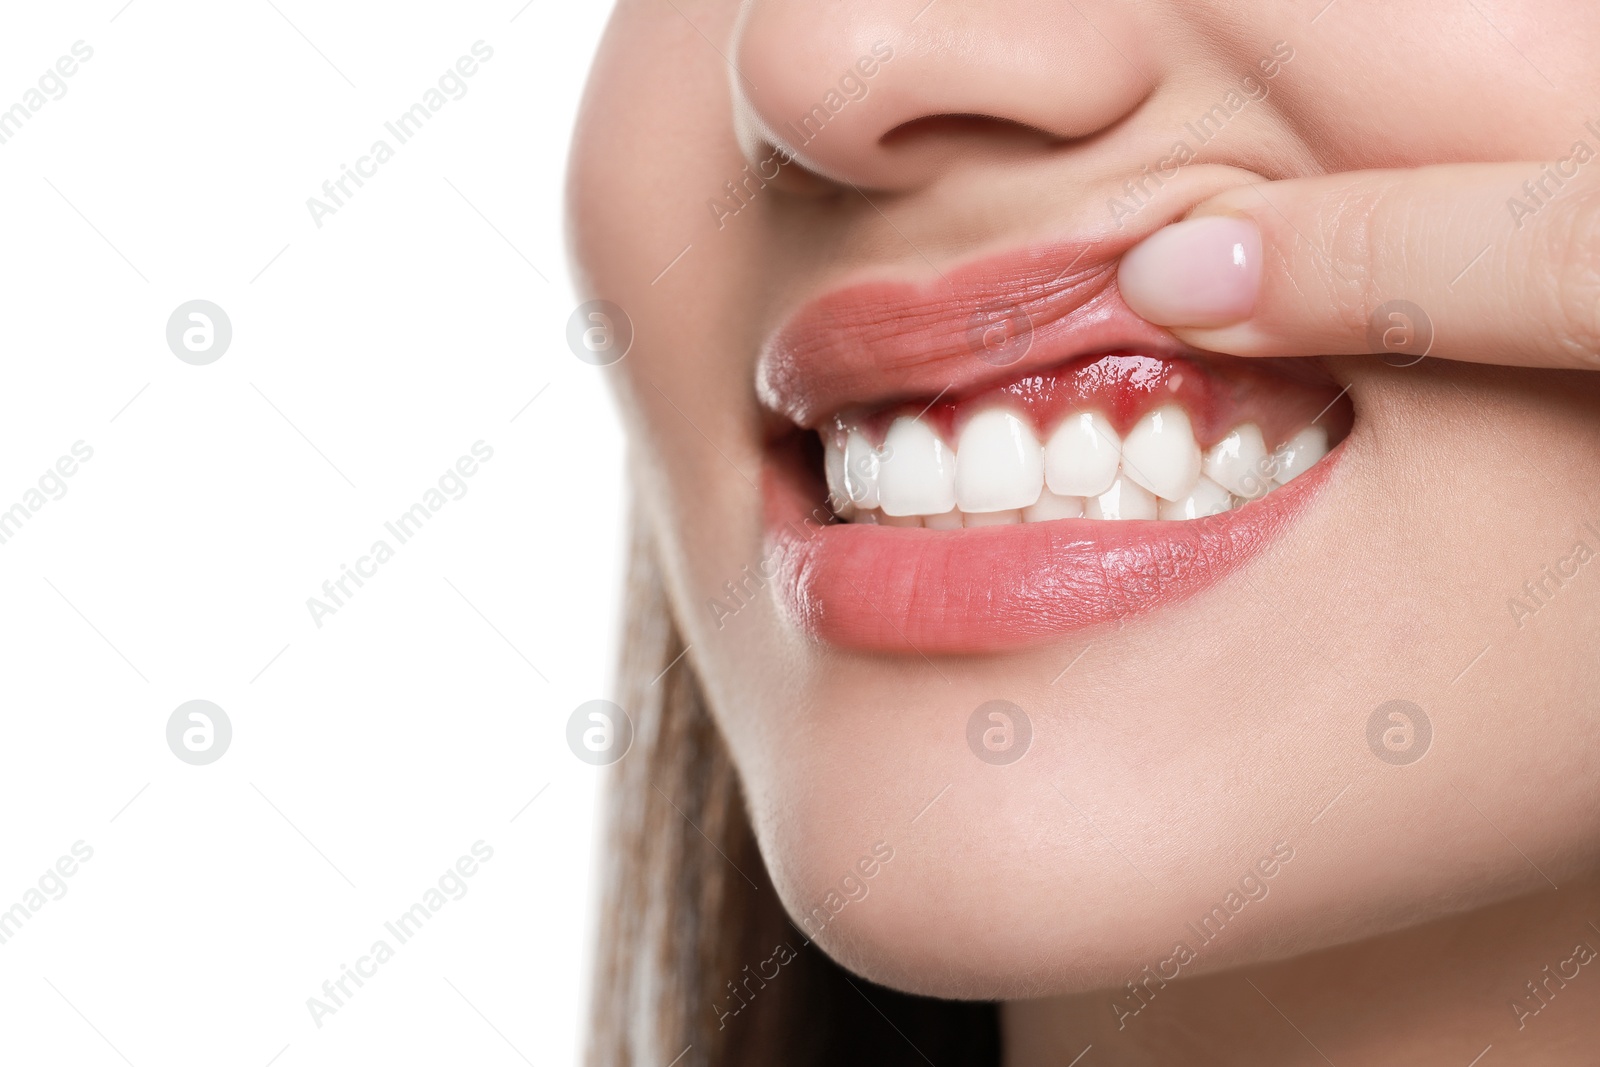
884	96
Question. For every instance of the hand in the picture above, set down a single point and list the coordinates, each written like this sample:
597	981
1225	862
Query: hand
1502	259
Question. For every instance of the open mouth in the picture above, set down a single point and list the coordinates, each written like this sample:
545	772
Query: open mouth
926	500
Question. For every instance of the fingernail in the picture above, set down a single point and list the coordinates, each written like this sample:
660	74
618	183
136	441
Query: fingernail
1200	273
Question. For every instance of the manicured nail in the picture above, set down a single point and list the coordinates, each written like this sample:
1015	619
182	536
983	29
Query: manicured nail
1200	273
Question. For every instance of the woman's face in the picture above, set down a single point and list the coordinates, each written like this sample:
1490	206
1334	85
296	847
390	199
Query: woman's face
883	238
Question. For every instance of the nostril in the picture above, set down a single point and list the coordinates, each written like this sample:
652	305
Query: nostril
967	128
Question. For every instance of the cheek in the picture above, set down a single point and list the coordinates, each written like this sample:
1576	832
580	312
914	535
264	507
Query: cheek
644	162
644	165
1480	100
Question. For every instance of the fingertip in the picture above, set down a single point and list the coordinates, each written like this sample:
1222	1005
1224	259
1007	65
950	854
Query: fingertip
1237	339
1201	273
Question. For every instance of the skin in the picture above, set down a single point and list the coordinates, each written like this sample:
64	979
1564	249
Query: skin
1179	748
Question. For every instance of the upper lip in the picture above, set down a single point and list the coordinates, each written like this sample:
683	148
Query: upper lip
881	341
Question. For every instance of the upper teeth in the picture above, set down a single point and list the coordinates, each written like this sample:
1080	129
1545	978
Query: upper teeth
999	464
1299	452
1161	455
1081	458
918	473
858	472
1236	462
998	472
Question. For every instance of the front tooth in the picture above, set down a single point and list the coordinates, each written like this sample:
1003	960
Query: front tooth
1206	498
902	520
917	475
994	518
861	471
1297	455
1081	457
1054	506
999	464
1126	499
1161	455
950	520
1239	462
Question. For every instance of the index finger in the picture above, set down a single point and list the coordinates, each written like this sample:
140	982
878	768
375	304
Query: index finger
1484	262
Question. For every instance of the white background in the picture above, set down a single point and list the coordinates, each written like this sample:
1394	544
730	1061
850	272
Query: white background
367	356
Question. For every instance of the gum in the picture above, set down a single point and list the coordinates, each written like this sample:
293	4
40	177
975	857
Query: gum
1281	397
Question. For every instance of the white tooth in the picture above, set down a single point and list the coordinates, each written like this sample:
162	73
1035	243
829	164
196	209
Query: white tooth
902	520
833	467
950	520
861	470
1296	455
999	464
1206	498
994	518
1081	456
1054	506
1126	499
917	475
1160	454
1239	462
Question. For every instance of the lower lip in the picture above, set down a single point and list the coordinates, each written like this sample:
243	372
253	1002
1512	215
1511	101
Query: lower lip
997	588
